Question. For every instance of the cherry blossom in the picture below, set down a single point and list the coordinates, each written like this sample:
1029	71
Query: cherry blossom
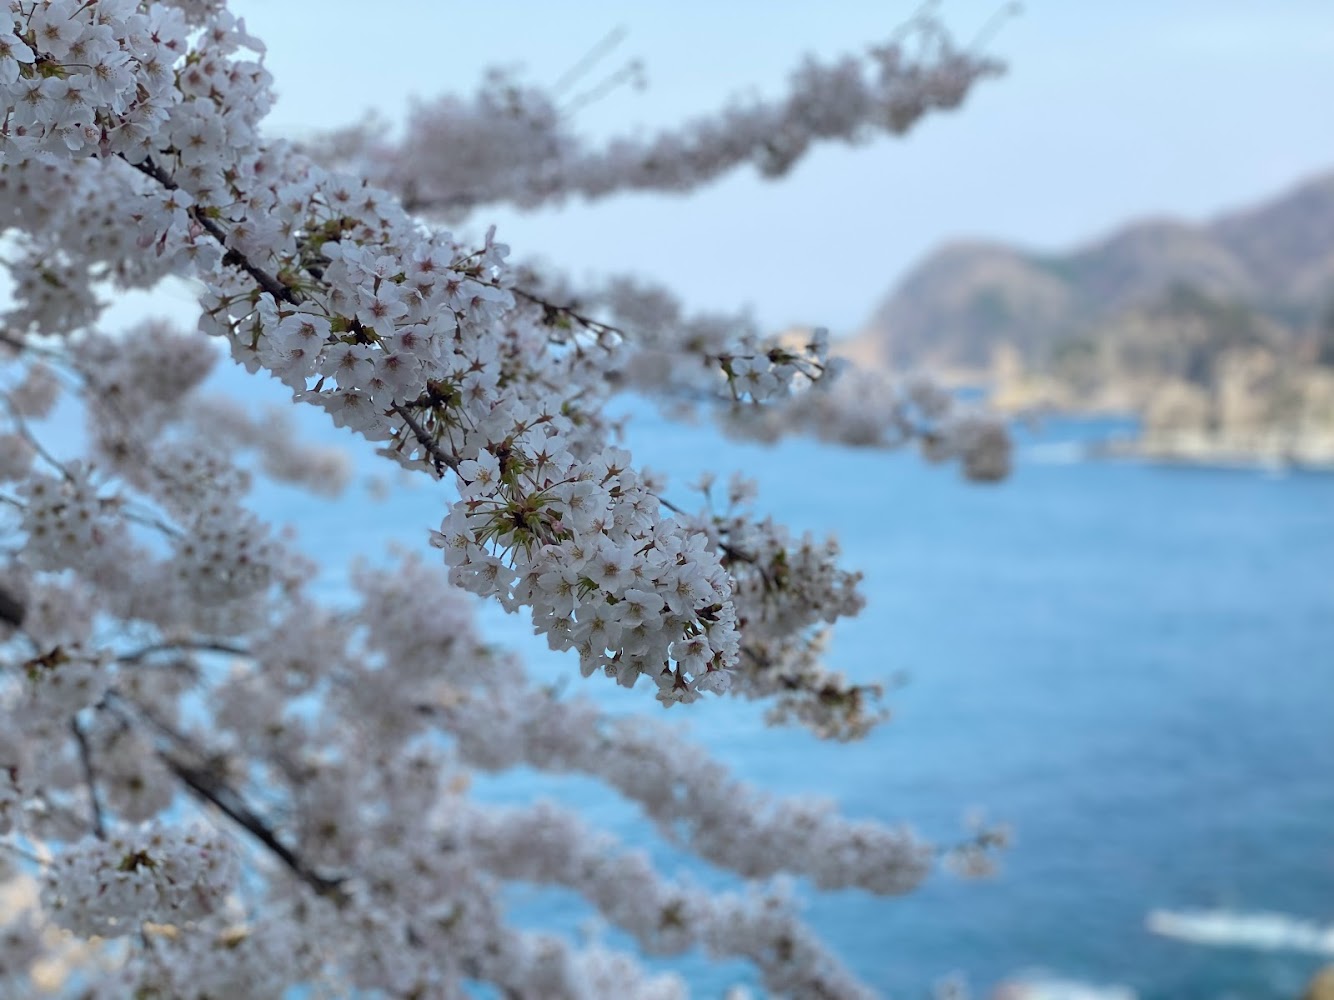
222	784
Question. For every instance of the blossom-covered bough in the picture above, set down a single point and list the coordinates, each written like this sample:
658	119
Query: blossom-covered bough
513	143
228	789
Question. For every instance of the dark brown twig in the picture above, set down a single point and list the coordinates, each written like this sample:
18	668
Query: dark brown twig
207	786
231	257
199	645
439	457
551	310
90	778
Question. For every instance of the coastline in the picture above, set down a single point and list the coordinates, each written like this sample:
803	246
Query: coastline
1255	447
1199	449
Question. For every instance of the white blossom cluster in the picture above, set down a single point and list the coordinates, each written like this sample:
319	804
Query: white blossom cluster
498	721
66	521
221	558
513	143
787	592
545	845
689	797
64	681
392	333
332	288
108	887
367	890
16	456
517	143
270	434
762	388
255	792
137	785
870	409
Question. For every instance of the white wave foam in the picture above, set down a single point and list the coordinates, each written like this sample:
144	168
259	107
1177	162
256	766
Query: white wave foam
1226	929
1040	986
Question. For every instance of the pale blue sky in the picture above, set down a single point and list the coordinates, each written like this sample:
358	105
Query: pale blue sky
1110	111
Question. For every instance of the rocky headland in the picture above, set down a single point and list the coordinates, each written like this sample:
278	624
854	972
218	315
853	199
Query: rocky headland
1219	336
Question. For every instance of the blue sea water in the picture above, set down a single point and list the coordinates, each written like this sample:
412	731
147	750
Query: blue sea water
1132	665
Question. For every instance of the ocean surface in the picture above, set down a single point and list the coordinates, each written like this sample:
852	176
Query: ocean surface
1131	665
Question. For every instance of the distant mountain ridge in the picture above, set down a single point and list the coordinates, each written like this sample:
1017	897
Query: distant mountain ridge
968	299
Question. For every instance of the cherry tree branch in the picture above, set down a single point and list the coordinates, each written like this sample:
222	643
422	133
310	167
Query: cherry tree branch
513	143
200	645
439	457
232	257
208	787
89	777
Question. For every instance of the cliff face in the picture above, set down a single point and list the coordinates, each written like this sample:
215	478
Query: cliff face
1221	336
978	295
964	300
1287	244
1211	381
